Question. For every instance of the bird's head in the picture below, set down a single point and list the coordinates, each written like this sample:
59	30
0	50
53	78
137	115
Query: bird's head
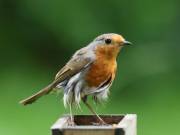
110	44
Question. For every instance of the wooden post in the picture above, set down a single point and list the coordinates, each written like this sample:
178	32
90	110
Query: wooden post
85	125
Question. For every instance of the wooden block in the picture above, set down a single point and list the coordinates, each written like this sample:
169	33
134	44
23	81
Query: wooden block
117	125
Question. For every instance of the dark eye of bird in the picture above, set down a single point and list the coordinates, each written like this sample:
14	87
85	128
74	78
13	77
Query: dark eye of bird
108	41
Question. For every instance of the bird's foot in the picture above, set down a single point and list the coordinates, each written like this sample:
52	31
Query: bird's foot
101	123
71	122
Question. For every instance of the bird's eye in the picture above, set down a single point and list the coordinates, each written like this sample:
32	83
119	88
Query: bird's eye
108	41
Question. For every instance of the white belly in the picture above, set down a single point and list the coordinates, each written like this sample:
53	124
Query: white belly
76	88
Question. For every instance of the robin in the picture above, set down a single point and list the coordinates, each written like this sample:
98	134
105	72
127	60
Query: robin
90	71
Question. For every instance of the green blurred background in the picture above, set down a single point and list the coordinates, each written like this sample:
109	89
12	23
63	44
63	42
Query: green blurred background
37	37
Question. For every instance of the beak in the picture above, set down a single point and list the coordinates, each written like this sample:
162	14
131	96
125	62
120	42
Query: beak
127	43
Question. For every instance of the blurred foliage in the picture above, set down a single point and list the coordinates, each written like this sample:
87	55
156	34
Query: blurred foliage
37	37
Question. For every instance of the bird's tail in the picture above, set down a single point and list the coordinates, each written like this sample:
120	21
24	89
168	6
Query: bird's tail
36	96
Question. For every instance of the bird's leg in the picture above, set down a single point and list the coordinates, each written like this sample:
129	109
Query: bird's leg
71	123
91	109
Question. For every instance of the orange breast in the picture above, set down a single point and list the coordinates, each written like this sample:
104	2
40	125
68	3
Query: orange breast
103	68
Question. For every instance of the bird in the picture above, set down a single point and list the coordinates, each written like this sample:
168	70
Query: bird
89	72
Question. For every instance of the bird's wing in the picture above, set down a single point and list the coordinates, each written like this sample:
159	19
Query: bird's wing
79	61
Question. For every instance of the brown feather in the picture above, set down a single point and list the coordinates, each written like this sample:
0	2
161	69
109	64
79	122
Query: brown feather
75	65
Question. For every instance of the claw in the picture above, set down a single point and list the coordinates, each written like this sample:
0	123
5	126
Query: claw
101	123
71	122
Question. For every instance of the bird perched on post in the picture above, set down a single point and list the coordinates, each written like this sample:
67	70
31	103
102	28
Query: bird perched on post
90	71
